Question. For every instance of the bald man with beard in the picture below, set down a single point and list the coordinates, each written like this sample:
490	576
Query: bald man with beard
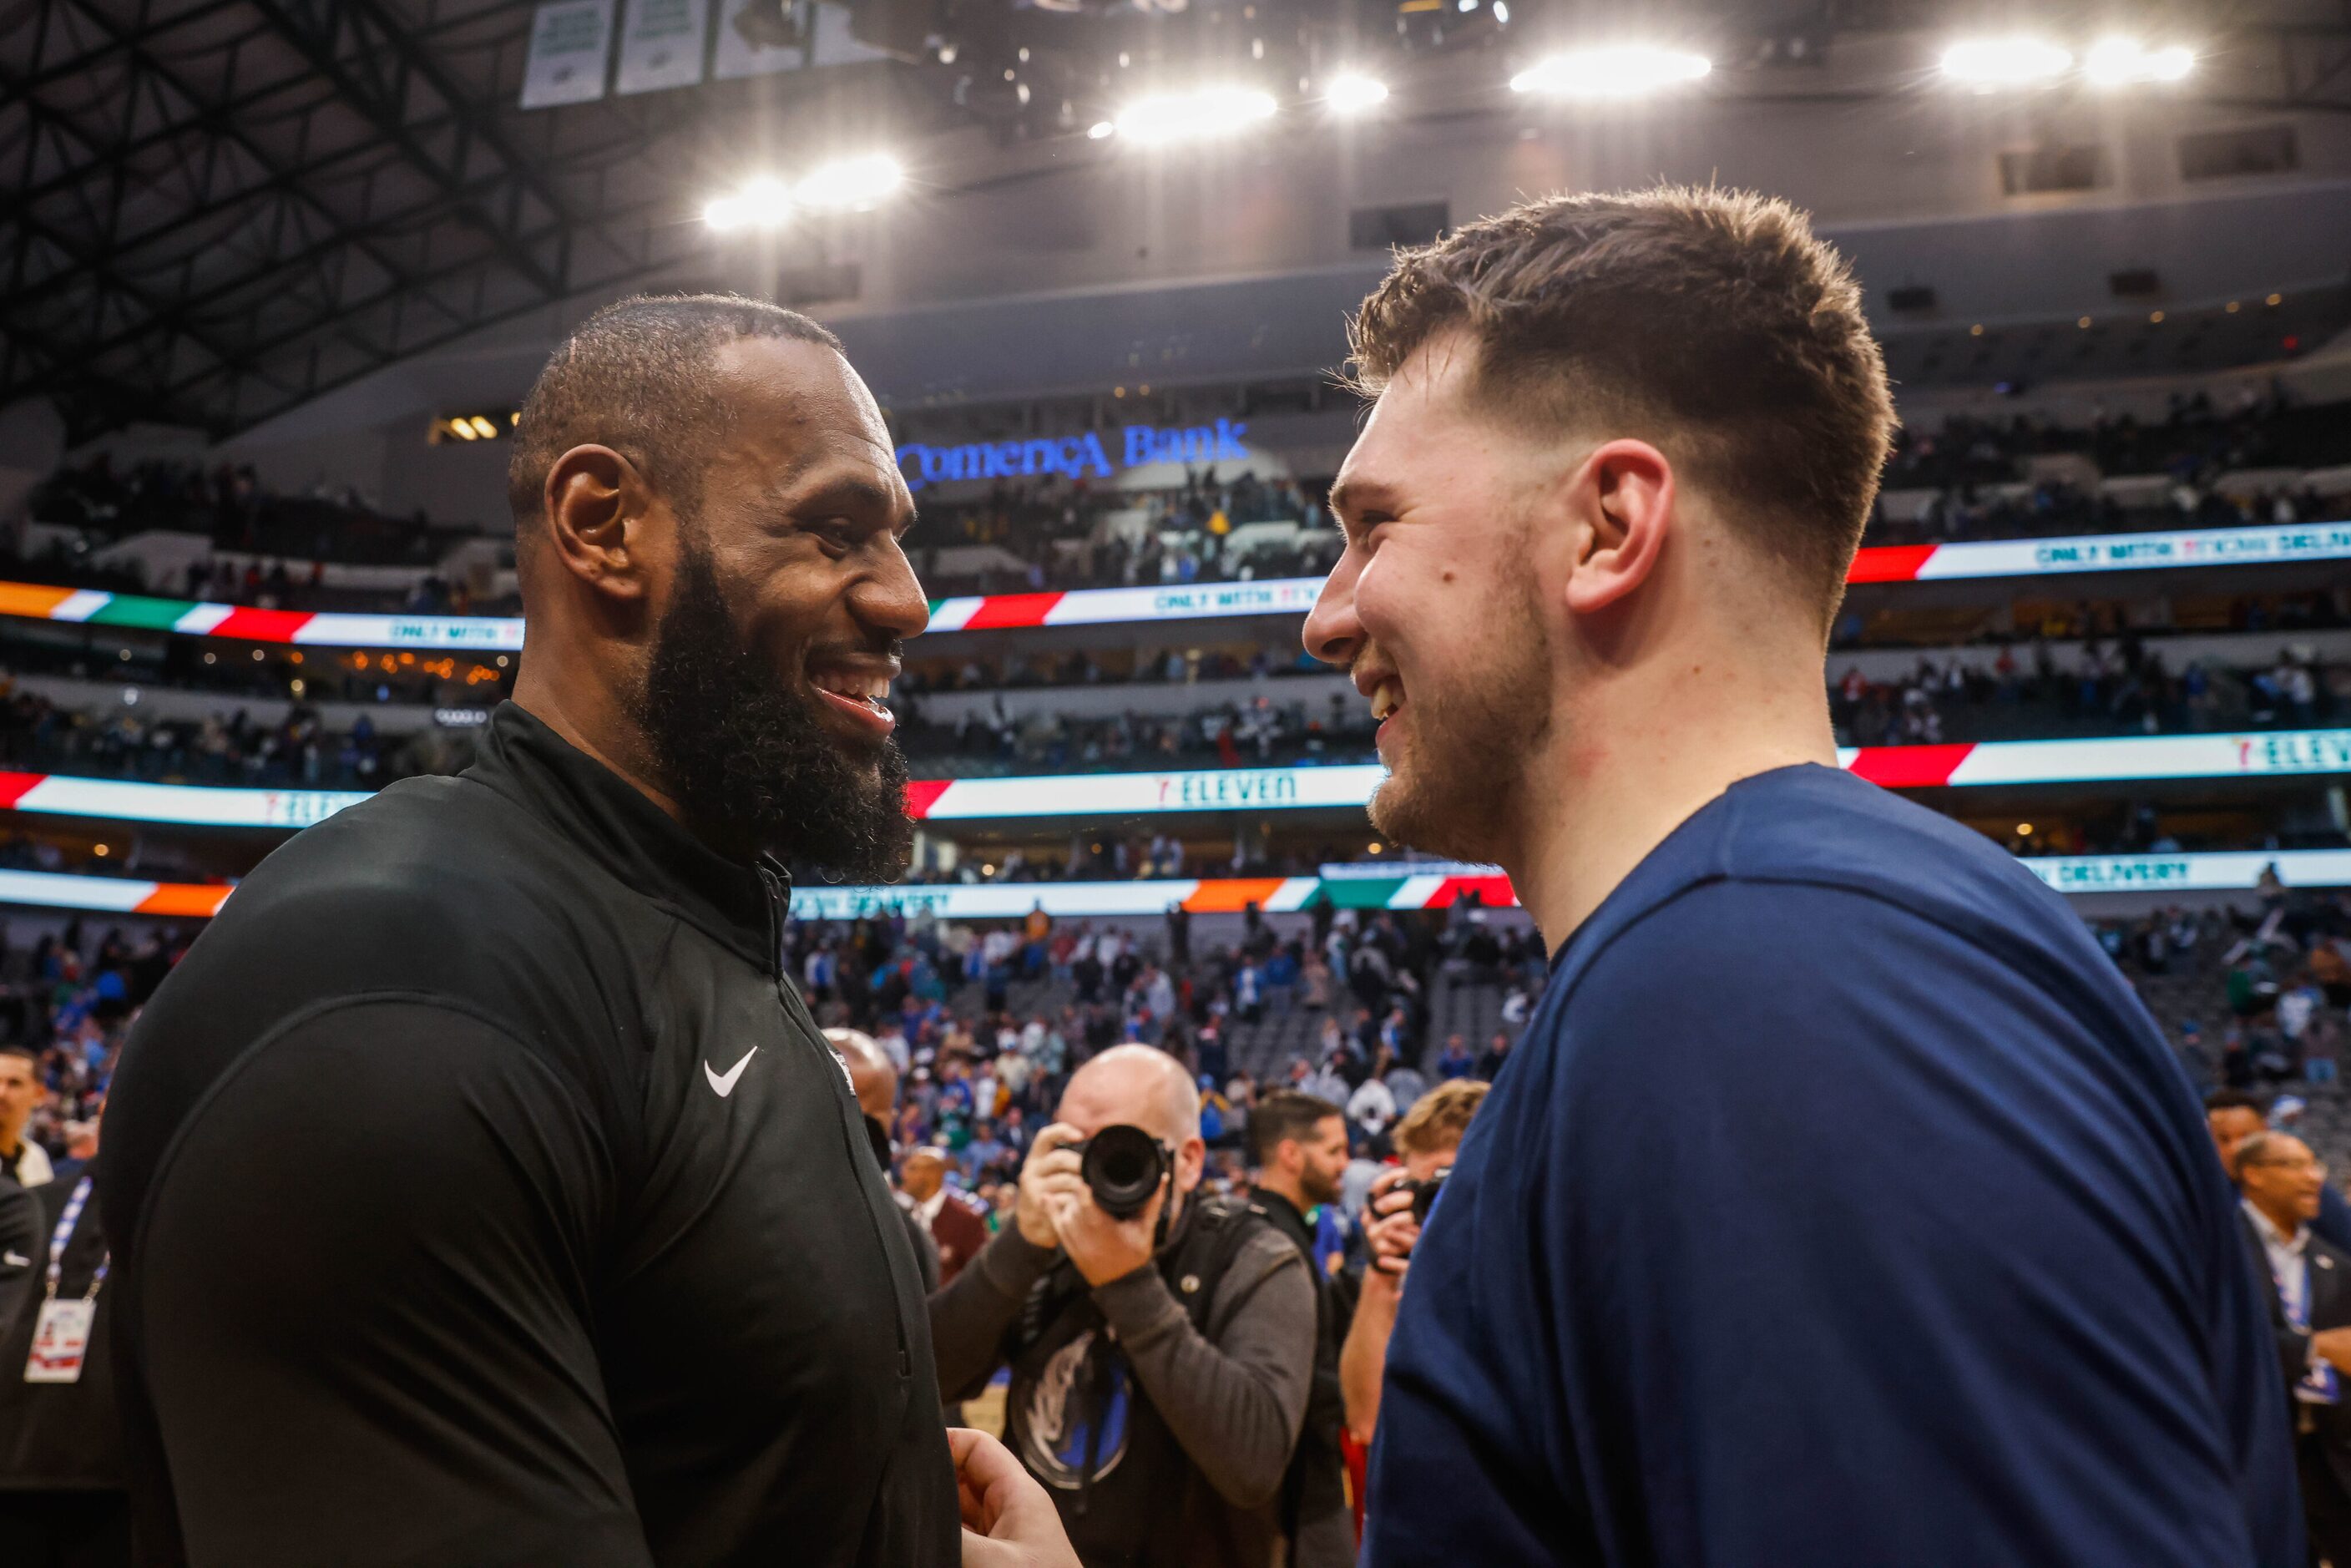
1160	1362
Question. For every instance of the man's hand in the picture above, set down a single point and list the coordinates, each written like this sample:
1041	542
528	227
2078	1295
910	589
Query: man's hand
1048	1175
2332	1346
1008	1519
1102	1248
1389	1231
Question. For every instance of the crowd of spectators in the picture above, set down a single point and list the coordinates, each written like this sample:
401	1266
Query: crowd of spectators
1056	533
2256	998
299	750
987	1021
2121	686
229	503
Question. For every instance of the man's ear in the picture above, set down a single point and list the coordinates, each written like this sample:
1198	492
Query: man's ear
596	503
1623	496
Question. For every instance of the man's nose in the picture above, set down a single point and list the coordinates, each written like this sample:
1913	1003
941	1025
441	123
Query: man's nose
890	599
1333	633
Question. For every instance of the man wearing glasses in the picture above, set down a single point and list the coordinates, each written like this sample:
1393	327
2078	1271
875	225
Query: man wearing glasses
2309	1288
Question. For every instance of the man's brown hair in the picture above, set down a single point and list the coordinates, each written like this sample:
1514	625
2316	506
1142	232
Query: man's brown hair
1438	1118
1285	1113
1710	323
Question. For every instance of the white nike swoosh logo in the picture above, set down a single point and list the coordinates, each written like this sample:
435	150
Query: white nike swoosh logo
724	1084
16	1260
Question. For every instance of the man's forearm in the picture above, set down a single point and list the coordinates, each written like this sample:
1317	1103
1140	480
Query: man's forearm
970	1315
1364	1359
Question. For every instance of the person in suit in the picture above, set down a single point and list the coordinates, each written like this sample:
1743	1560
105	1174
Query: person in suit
2308	1284
955	1223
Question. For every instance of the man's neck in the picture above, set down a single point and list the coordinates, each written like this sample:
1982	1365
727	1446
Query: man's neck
1644	756
594	725
2288	1224
1284	1186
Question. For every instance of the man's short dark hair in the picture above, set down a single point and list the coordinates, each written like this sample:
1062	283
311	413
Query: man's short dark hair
2235	1100
634	377
1708	322
1285	1113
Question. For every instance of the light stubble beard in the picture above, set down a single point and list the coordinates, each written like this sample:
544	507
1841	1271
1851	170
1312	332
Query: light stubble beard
1460	780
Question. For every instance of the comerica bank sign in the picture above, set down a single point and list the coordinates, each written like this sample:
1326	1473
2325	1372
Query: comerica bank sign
1074	455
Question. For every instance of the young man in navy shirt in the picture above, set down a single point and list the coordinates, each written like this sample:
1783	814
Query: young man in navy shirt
1842	1203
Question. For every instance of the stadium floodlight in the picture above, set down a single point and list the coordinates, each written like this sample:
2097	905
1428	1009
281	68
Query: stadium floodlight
2125	62
1205	113
762	204
851	185
1350	93
1617	71
1988	64
1100	130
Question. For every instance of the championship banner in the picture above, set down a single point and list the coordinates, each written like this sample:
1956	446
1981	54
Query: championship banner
569	41
662	44
759	37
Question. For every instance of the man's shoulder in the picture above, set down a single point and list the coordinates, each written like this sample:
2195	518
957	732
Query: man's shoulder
424	863
1863	868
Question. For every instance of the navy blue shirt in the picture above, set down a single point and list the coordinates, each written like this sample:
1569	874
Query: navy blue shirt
1842	1206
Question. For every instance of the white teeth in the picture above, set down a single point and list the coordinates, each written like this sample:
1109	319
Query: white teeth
1386	697
859	688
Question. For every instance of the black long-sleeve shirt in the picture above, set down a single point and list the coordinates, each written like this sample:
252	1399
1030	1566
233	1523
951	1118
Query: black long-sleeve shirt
490	1196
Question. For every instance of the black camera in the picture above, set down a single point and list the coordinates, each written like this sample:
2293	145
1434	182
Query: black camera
1423	1193
1122	1166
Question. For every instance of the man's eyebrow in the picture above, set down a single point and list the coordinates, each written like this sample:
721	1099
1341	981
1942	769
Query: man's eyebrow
845	493
1359	495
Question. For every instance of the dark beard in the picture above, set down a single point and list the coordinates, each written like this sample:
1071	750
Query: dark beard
748	760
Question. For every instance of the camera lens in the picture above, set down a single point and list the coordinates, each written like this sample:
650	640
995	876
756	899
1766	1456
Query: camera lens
1122	1166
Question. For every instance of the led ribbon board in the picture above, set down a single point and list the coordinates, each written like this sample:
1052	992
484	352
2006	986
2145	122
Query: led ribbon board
1363	887
1195	601
2278	754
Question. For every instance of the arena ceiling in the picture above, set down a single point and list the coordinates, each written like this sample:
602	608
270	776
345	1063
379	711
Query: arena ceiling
212	210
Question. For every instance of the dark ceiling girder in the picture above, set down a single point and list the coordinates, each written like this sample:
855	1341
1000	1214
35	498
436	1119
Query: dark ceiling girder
313	27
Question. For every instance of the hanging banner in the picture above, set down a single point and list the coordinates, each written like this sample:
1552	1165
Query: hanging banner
758	37
662	45
569	42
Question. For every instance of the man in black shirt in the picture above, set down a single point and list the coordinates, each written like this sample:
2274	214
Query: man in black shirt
1299	1147
62	1503
483	1190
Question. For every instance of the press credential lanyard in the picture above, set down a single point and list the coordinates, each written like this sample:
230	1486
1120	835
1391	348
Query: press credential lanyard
61	1331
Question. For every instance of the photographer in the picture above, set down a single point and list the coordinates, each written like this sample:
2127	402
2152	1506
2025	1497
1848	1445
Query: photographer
1427	1138
1160	1348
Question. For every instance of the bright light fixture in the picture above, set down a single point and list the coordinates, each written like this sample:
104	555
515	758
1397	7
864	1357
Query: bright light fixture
762	204
1194	115
1101	129
1626	70
851	185
2121	62
1985	64
1353	94
484	428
